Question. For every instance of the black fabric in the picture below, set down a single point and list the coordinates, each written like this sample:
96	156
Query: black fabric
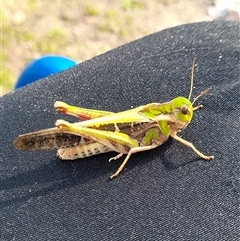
164	194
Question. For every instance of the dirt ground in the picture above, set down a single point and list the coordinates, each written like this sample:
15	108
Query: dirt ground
83	29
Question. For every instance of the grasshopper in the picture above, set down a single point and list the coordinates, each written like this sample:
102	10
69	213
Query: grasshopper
139	129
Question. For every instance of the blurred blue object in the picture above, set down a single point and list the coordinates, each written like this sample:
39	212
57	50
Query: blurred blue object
43	67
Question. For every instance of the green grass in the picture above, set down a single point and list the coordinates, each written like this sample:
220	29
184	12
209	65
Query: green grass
91	10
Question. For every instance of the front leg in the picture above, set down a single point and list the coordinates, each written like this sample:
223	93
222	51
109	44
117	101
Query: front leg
197	107
189	144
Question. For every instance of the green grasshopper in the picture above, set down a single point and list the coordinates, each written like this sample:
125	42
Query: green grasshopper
140	129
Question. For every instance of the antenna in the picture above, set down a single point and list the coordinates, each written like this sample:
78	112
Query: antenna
201	94
192	74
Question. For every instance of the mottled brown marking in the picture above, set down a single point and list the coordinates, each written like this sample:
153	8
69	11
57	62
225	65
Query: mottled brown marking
126	128
104	127
46	140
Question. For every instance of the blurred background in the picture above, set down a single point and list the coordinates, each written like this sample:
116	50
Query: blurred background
82	29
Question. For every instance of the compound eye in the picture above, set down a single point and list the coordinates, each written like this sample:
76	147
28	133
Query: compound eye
184	109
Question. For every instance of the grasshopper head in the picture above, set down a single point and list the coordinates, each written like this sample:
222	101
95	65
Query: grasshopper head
183	110
183	107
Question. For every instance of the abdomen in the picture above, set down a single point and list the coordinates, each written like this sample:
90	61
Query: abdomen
76	152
